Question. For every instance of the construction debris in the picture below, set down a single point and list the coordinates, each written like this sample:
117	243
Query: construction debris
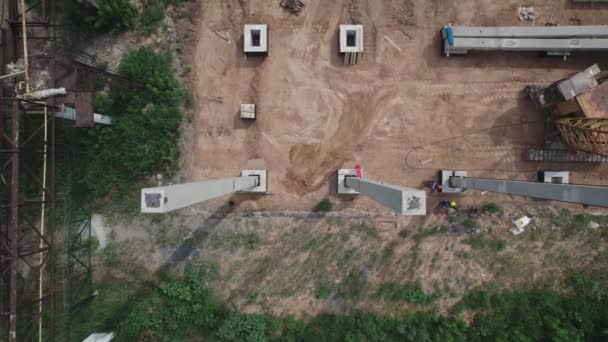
294	6
224	35
520	225
527	13
392	43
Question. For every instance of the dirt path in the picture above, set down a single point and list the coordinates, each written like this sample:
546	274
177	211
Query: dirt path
316	115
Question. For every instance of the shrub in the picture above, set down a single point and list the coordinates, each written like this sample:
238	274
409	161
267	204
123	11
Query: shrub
114	16
410	292
324	206
176	307
142	140
322	292
180	308
492	208
246	327
153	15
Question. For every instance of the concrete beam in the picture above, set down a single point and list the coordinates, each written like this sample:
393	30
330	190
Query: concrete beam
581	194
554	46
594	31
164	199
404	201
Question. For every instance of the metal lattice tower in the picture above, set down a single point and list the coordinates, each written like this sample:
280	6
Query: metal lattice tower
590	135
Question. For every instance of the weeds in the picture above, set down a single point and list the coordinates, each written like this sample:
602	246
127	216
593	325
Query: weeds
409	292
469	224
352	285
322	292
481	242
323	206
365	229
492	208
389	252
437	230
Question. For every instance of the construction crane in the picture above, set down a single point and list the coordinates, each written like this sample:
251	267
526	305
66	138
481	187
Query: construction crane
576	118
551	186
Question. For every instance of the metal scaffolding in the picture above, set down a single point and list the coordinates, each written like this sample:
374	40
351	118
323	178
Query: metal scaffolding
27	179
27	220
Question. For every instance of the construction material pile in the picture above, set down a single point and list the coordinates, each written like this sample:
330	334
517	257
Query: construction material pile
294	6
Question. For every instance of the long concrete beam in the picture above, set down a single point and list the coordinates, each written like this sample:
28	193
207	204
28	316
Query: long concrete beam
582	194
404	201
546	32
164	199
463	45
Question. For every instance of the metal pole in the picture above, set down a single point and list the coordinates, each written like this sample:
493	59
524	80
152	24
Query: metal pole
26	62
582	194
14	224
168	198
12	75
404	201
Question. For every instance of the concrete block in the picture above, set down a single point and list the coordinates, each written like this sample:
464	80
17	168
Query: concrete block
153	201
341	186
248	111
351	38
255	39
445	181
555	177
262	186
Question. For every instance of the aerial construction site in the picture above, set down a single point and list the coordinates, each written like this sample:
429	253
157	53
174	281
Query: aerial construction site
252	170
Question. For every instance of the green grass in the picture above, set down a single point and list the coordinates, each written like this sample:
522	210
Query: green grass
483	242
287	292
364	228
182	308
388	252
353	285
233	240
437	230
469	223
323	292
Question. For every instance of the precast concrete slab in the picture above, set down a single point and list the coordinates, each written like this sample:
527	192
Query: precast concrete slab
405	201
164	199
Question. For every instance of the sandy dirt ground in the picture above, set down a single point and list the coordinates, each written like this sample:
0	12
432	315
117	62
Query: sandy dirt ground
387	113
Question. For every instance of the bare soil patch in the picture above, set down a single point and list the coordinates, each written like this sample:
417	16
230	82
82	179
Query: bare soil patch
317	115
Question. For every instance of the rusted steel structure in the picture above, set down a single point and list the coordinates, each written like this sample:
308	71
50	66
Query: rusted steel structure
27	200
590	135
